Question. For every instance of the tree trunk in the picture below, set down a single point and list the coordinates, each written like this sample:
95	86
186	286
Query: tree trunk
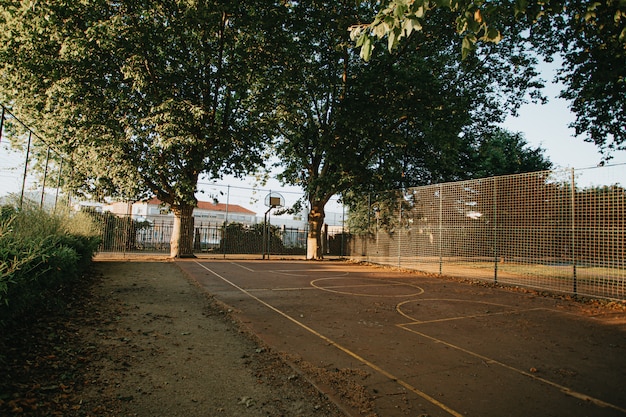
314	240
181	243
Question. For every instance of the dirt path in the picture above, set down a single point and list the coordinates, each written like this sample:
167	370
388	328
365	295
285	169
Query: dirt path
145	341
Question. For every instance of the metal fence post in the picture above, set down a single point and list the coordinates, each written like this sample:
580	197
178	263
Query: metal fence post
440	229
400	232
56	196
225	232
495	230
30	134
573	219
2	123
45	175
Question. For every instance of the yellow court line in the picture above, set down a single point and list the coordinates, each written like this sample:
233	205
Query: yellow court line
563	389
473	316
420	300
379	283
294	289
331	342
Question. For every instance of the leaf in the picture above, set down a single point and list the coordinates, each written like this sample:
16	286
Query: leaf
420	11
359	42
392	39
380	30
366	49
400	11
520	7
478	16
467	47
409	25
493	35
356	32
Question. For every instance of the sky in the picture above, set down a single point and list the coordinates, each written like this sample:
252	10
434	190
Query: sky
547	126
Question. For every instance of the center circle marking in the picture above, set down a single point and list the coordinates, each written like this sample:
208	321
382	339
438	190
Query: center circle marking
350	288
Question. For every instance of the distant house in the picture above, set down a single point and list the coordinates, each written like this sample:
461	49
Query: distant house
206	212
221	212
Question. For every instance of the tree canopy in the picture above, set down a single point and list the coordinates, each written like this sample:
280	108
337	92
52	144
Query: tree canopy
502	152
346	123
145	95
590	37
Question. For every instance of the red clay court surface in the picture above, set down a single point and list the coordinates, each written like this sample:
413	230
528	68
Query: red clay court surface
426	346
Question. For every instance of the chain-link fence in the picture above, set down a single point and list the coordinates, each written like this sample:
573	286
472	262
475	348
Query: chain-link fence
30	169
553	230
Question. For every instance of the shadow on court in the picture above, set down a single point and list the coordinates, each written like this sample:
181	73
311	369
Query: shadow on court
424	346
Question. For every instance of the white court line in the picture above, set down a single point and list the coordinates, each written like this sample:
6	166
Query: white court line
292	273
294	289
244	267
472	316
340	347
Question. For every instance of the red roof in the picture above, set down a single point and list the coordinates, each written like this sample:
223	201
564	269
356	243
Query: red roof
232	208
205	205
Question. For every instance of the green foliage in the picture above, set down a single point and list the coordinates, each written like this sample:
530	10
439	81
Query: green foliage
39	254
377	212
495	153
151	93
589	37
145	95
502	153
590	40
402	119
117	233
243	239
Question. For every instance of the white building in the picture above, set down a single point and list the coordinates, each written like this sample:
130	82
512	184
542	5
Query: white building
205	213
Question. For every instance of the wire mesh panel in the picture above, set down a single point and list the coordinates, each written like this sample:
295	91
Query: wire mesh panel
29	168
467	225
16	161
423	229
599	211
554	230
534	230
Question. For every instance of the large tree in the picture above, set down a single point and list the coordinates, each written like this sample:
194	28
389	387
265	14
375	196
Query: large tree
144	95
590	38
348	124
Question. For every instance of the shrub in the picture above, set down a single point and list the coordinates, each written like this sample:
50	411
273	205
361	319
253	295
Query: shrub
40	253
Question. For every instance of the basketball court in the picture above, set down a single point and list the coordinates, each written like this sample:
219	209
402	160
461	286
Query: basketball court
426	346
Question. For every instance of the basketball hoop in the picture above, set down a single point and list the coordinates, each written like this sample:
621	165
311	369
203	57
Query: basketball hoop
274	200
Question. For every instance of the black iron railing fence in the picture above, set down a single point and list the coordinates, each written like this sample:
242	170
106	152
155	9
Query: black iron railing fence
123	234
